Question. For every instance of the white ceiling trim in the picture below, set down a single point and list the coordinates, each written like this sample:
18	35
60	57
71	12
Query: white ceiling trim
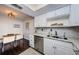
35	7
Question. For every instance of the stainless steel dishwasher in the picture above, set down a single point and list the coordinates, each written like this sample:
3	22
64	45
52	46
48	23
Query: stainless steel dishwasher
38	43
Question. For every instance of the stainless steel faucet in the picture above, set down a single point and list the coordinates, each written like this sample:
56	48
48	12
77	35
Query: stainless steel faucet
56	33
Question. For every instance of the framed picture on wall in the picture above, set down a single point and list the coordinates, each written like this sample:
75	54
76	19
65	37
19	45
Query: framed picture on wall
16	26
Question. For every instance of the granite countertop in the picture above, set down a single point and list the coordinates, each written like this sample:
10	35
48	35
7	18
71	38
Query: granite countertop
52	38
58	39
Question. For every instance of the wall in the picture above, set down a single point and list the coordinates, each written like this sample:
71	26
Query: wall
69	32
7	25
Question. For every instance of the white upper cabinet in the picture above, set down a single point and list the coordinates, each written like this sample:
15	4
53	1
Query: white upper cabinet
74	15
63	11
51	14
41	20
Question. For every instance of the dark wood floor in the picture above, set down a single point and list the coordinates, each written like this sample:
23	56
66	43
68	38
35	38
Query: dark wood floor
14	51
17	50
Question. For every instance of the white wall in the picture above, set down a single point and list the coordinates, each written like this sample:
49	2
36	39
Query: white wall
70	32
7	25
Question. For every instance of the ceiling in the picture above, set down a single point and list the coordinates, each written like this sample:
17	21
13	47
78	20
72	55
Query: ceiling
30	10
35	7
4	10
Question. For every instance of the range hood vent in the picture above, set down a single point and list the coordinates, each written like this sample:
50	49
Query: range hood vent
17	6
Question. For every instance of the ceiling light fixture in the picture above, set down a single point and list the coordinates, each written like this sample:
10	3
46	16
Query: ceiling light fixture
11	15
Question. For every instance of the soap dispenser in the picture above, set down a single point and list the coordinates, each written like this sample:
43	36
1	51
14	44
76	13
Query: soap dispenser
51	32
56	33
64	36
48	34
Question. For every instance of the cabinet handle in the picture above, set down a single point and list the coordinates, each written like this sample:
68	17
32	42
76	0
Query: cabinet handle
54	47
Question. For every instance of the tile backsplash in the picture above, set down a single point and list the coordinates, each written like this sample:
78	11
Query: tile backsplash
69	31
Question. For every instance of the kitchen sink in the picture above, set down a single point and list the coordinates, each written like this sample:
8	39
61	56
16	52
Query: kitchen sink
57	37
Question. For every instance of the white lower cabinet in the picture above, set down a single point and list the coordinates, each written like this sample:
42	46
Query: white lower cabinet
55	47
31	43
48	45
63	51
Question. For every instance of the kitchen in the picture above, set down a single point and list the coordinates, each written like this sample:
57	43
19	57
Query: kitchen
51	29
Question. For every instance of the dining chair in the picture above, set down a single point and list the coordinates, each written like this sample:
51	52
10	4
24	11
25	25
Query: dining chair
1	46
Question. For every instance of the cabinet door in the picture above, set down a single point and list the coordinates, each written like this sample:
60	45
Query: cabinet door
31	41
74	15
48	47
63	48
63	44
60	50
50	14
63	11
40	21
36	22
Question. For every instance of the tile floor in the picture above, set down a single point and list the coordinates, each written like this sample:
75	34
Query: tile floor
30	51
